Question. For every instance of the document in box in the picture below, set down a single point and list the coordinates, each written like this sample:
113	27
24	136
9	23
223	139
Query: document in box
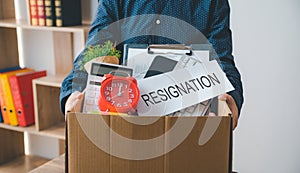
162	64
182	88
165	60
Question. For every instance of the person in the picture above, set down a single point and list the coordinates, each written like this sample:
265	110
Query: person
147	22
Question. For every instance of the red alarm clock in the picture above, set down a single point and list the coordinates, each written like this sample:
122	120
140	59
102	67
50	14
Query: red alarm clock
118	94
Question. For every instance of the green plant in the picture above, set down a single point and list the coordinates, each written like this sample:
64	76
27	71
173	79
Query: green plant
107	49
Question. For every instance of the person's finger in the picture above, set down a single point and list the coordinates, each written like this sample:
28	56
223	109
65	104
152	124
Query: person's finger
211	114
234	122
233	108
222	97
77	106
73	101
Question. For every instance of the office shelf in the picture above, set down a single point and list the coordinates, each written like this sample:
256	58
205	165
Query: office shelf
42	48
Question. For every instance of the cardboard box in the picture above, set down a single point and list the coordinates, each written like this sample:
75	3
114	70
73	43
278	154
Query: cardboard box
182	145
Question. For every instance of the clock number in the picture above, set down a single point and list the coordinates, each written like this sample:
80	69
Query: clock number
113	102
132	96
125	104
109	88
130	101
106	93
108	98
130	90
119	105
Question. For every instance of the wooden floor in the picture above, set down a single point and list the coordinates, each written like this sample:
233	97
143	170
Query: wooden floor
22	164
36	165
56	165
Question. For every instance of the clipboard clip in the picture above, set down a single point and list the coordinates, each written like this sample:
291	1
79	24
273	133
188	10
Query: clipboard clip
177	49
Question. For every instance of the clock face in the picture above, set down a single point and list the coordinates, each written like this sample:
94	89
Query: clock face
120	94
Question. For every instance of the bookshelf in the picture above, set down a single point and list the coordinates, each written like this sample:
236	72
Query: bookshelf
42	48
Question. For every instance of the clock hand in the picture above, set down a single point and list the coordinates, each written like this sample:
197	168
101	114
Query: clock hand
120	90
118	95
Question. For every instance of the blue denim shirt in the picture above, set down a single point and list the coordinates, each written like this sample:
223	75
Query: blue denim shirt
161	22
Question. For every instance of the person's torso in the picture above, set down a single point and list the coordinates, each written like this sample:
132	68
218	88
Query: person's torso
163	21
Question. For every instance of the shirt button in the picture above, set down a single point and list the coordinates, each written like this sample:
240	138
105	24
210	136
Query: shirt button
157	22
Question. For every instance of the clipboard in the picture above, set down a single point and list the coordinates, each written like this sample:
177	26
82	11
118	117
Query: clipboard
140	56
167	49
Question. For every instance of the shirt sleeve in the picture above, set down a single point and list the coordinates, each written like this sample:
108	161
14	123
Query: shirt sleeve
99	33
221	39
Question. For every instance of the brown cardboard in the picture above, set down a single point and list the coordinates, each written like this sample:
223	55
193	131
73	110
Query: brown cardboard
84	156
132	131
213	155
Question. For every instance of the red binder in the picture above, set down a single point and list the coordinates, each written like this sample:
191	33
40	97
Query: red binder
21	86
7	106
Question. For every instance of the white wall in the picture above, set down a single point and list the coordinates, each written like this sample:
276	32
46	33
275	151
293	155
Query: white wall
267	51
41	146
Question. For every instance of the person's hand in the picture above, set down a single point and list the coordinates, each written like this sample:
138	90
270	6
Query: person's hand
73	103
233	108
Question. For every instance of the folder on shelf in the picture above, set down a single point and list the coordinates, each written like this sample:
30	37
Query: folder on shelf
1	119
22	93
3	71
1	106
7	105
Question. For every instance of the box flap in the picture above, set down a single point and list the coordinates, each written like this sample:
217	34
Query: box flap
142	137
83	152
